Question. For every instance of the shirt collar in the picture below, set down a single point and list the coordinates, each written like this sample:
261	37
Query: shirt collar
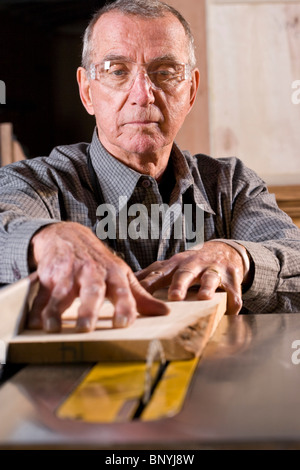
117	179
187	175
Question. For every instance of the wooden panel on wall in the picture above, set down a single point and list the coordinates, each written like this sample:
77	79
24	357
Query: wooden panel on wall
288	199
253	60
194	135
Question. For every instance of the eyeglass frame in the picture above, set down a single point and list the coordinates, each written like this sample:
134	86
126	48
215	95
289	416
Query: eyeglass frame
92	72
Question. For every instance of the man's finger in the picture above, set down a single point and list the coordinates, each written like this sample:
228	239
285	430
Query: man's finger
234	299
61	298
34	318
92	295
209	282
156	270
181	281
158	278
146	303
119	293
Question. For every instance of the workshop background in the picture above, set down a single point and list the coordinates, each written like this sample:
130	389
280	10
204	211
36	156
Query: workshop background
248	53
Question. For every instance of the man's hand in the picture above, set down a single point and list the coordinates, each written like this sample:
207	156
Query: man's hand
213	265
72	262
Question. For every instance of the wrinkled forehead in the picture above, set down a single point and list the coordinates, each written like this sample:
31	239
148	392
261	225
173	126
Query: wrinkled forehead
139	38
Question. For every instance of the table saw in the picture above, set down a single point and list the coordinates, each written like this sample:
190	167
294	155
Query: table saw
242	393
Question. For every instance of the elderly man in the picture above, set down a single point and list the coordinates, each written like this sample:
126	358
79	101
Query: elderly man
139	79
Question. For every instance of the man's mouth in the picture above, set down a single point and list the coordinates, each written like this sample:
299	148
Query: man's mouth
141	123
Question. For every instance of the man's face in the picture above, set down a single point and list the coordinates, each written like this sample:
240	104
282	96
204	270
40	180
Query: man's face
142	120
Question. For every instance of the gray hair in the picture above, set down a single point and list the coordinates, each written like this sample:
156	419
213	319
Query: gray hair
142	8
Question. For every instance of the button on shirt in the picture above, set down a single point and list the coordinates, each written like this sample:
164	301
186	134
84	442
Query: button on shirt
235	203
146	183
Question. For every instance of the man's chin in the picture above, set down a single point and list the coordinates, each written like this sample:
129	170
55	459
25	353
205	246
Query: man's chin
144	145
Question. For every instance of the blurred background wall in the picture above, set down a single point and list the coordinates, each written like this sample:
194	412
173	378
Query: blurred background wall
248	53
249	57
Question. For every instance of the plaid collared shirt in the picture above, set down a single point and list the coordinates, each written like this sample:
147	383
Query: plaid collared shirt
124	188
235	202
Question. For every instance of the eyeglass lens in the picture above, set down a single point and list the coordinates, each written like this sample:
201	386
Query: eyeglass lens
121	74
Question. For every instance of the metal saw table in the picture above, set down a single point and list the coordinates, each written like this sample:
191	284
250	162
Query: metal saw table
244	394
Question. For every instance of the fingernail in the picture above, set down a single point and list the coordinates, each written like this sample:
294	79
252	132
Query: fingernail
206	292
52	325
175	294
83	324
163	309
120	321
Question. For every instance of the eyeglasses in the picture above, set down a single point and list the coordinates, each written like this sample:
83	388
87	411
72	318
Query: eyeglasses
121	74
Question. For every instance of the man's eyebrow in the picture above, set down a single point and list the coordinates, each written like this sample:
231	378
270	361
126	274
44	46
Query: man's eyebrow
165	58
119	57
115	57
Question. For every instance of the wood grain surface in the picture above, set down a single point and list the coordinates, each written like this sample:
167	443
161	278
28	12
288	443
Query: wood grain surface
183	333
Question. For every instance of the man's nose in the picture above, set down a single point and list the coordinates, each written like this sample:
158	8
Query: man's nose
142	90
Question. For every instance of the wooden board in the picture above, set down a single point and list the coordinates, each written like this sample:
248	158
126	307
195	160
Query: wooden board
13	306
183	333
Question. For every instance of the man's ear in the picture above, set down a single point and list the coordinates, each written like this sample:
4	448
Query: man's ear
85	90
194	86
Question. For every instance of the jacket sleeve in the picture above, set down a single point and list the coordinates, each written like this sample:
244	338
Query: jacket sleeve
26	205
273	242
